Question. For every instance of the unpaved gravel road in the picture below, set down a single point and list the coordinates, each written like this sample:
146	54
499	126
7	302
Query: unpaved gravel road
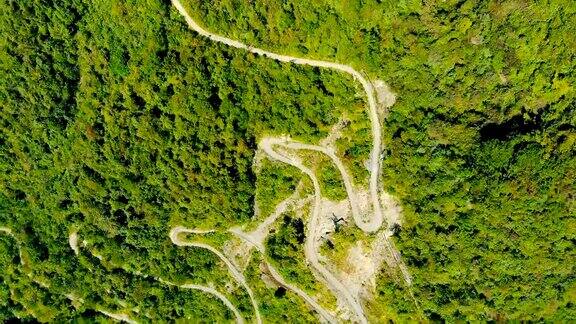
212	291
330	152
256	238
278	277
116	316
259	234
205	289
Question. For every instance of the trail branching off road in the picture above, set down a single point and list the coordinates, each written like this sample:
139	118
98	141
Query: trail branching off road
278	277
311	246
116	316
202	288
351	193
256	239
236	274
330	152
8	231
212	291
259	234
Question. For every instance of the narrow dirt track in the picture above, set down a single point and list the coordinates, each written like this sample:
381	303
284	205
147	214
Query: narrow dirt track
212	291
205	289
125	317
8	231
118	316
256	239
351	193
238	276
215	292
259	234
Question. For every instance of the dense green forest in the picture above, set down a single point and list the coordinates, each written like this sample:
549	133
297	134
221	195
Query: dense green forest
118	122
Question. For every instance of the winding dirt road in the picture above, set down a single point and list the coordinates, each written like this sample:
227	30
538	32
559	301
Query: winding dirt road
174	236
375	220
278	277
116	316
256	239
205	289
330	152
212	291
259	234
373	224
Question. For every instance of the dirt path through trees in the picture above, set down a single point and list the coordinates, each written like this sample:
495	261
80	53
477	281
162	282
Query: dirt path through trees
8	231
212	291
206	289
254	241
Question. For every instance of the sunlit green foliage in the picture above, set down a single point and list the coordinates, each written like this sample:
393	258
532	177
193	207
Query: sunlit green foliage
275	182
117	120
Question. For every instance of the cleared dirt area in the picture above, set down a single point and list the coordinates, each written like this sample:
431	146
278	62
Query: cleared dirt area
73	242
384	95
